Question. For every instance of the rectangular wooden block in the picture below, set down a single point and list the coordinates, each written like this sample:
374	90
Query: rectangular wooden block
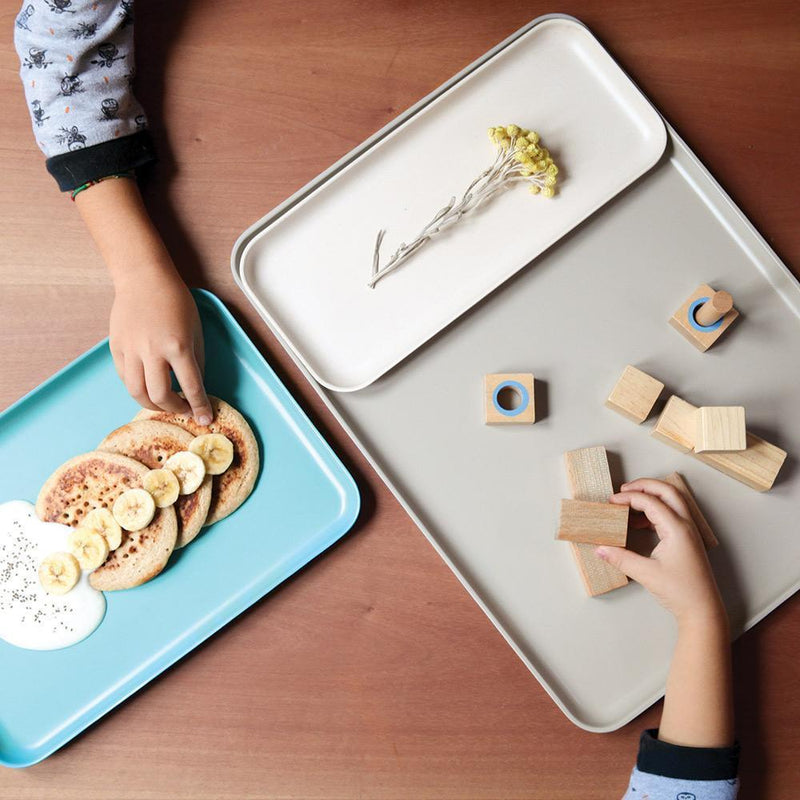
593	523
677	480
756	466
634	394
676	425
590	479
702	340
720	428
499	386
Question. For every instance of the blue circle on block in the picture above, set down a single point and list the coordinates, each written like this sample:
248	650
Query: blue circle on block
694	323
513	412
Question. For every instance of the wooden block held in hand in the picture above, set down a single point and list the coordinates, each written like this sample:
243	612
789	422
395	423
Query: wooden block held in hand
508	399
590	479
703	301
720	428
593	523
677	480
634	394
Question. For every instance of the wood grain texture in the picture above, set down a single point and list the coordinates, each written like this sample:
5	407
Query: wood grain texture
720	428
371	674
679	482
702	340
634	394
593	523
589	478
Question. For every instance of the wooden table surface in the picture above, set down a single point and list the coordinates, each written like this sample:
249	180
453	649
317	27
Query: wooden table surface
372	674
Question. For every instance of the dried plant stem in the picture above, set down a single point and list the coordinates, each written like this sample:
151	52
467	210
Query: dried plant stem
505	171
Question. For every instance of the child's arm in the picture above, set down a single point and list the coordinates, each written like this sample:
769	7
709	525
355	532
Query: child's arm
694	752
77	66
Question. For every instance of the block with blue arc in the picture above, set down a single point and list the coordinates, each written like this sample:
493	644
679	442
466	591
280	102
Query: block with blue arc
509	399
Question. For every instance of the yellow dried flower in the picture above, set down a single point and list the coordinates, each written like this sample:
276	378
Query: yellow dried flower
534	189
548	191
549	180
552	169
533	137
522	143
512	130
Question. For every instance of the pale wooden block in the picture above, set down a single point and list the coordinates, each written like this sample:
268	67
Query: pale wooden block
676	425
756	466
520	383
634	394
593	523
677	480
720	428
590	479
700	338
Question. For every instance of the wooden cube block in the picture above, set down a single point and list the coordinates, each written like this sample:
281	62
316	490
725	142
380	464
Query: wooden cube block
508	399
635	394
593	523
720	428
677	480
590	479
756	466
694	320
676	425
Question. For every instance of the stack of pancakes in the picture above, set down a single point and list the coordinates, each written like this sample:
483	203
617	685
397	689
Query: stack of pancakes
97	479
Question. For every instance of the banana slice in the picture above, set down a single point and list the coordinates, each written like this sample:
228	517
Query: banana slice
134	509
89	547
163	485
216	451
189	469
59	573
101	520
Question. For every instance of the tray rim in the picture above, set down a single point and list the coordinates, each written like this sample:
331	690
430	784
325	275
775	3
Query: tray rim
725	200
249	237
351	508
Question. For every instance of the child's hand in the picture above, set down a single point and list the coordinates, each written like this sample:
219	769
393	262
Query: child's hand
154	327
677	571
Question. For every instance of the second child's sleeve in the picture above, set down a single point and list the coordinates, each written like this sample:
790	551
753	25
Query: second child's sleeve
77	67
672	772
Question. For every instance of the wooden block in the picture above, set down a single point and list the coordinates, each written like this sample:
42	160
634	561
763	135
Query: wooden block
676	425
590	479
500	389
756	466
677	480
593	523
703	306
635	394
720	428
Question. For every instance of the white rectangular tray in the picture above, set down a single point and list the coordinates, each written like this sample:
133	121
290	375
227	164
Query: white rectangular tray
487	498
308	270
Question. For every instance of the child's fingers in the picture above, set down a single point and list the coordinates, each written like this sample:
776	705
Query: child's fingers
119	361
189	377
159	388
667	493
664	519
635	566
135	383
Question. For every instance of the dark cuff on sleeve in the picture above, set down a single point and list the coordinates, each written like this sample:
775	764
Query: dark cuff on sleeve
687	763
77	167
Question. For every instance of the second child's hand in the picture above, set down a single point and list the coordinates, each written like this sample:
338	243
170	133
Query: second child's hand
154	326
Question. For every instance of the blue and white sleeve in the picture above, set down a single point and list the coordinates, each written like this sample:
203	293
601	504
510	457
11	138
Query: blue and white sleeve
77	67
666	771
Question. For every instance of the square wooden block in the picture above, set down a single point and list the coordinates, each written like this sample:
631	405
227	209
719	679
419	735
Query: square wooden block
593	523
683	321
635	394
719	429
508	399
676	425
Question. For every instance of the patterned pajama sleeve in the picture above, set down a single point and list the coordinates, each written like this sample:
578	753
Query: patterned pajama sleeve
666	771
77	67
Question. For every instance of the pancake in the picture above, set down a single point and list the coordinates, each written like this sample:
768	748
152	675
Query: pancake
96	480
153	442
233	487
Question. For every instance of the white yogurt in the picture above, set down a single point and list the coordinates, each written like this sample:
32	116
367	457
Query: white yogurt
29	616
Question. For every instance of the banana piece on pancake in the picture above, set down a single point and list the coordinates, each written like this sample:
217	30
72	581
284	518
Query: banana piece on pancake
153	442
233	486
96	480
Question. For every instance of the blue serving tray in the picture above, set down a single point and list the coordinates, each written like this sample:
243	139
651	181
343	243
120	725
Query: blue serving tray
303	501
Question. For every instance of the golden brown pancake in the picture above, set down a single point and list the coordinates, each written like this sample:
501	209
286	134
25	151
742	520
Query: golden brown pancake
153	442
96	480
233	487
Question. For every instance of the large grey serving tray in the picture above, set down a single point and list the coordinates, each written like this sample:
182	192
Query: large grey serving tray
487	497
